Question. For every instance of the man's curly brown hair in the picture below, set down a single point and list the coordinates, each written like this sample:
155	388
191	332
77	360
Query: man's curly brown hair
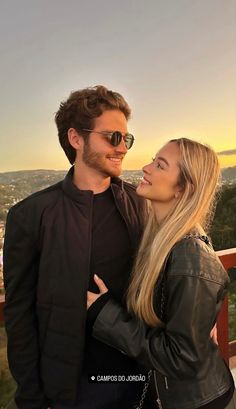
80	110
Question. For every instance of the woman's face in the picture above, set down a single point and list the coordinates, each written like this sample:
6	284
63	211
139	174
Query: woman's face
161	177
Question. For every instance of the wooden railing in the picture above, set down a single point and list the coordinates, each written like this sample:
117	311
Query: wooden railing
228	349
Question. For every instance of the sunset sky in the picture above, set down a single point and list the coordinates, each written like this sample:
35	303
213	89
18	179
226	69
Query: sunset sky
173	60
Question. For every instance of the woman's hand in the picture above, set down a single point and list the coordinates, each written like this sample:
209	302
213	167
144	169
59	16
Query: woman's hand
213	334
91	297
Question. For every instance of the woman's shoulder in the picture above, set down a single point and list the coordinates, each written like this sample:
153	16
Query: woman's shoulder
194	255
195	244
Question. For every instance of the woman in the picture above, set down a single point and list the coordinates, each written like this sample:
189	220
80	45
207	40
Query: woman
177	287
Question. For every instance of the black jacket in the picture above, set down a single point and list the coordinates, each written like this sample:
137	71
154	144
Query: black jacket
46	273
188	369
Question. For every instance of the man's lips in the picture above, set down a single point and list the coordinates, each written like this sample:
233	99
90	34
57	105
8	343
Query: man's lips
116	159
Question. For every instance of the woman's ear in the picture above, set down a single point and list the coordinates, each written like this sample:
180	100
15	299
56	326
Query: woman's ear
191	188
179	191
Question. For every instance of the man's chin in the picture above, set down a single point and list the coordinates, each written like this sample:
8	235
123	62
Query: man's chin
114	172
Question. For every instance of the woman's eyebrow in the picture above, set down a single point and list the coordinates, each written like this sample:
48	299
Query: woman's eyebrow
163	159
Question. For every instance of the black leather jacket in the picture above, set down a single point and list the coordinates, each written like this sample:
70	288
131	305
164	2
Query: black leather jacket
46	271
188	369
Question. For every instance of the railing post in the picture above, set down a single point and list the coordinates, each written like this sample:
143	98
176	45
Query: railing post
223	331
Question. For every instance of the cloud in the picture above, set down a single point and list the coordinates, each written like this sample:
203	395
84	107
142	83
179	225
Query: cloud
229	152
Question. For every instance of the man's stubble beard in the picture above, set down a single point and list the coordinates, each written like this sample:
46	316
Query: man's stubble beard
96	161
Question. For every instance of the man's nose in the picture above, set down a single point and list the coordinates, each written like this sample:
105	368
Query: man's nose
122	146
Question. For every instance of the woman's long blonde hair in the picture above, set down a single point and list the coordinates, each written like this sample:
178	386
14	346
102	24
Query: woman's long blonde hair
199	177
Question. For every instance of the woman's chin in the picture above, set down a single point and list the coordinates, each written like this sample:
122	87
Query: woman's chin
140	191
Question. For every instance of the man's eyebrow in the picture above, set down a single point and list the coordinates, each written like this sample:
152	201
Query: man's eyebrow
163	159
109	131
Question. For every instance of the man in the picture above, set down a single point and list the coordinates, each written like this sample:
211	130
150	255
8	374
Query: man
56	240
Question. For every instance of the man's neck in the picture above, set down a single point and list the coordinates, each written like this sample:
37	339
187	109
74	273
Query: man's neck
90	180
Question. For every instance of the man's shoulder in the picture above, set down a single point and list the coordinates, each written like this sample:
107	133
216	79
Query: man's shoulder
131	190
139	204
129	187
124	186
39	199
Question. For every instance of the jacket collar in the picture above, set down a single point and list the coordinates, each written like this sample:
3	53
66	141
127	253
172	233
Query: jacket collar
83	196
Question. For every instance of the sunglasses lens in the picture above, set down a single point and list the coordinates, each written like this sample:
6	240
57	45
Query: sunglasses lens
129	140
116	138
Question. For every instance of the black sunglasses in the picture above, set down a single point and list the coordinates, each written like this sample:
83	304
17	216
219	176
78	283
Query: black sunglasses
116	137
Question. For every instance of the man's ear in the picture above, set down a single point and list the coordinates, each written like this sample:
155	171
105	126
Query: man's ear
75	139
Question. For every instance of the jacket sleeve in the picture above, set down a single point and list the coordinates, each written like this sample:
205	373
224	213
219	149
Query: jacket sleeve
191	308
20	278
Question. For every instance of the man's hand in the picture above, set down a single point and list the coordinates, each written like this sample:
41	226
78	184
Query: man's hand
91	297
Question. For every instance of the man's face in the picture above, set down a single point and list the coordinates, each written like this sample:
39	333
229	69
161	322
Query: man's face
98	153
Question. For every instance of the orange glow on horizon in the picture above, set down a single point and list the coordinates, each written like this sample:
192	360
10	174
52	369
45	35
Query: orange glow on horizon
227	160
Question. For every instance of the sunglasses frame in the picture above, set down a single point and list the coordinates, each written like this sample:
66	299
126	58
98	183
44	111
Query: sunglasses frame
115	137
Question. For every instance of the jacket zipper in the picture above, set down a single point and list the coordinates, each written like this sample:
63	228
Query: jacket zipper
90	240
166	383
158	400
120	210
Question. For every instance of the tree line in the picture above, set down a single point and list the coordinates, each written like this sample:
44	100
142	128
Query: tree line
223	231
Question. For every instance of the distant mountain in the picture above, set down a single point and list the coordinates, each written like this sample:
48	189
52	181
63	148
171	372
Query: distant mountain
38	177
229	175
33	180
15	186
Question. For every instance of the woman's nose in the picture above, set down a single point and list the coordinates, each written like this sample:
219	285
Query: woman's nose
146	168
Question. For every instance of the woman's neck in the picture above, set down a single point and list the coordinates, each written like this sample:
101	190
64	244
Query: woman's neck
161	210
